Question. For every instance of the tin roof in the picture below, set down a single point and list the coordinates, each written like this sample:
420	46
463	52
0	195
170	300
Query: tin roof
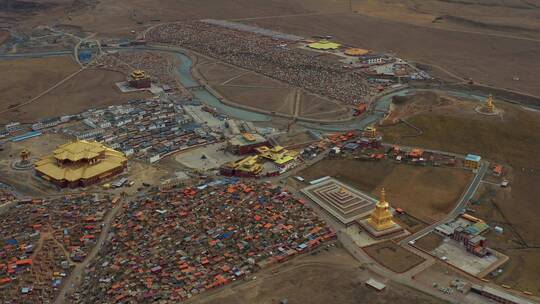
473	157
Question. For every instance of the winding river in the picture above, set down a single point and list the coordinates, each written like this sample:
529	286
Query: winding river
184	74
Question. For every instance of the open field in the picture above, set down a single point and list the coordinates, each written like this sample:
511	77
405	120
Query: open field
520	271
423	101
410	223
24	78
393	256
427	193
484	58
119	17
429	242
329	277
513	141
27	78
479	15
365	176
254	90
293	138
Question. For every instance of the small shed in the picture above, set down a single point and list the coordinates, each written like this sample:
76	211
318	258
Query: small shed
378	286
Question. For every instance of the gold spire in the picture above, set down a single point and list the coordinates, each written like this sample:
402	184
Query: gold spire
489	103
381	217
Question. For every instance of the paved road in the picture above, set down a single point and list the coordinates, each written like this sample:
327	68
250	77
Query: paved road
36	55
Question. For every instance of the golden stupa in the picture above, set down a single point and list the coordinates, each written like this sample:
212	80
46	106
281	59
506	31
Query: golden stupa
489	104
25	155
381	218
370	132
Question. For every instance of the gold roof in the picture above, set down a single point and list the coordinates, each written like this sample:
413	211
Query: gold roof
381	217
277	154
356	52
109	159
138	74
248	164
324	45
79	150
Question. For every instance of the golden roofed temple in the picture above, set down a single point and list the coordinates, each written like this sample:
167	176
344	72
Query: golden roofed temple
139	79
80	163
278	155
381	217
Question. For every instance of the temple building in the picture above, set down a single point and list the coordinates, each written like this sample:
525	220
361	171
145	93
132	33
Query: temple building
246	167
80	163
139	80
380	222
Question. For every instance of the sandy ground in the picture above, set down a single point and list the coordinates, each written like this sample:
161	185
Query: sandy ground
393	256
427	193
328	277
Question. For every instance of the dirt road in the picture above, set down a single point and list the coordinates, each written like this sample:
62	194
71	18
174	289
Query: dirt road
76	275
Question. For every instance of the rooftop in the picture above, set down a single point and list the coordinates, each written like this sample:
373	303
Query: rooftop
79	150
247	139
108	159
324	45
472	157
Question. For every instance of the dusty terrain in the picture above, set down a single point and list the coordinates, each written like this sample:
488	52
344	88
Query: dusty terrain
294	138
512	140
517	17
328	277
520	272
473	38
393	256
405	106
427	193
24	79
260	92
429	242
364	176
487	59
24	181
111	17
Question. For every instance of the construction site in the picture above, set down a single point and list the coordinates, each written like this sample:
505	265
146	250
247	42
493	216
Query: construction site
257	156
